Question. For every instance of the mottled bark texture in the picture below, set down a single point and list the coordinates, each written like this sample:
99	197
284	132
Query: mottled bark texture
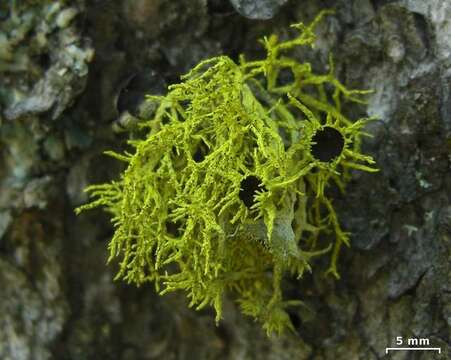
62	64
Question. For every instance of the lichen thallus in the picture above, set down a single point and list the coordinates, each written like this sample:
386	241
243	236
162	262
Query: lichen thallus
227	192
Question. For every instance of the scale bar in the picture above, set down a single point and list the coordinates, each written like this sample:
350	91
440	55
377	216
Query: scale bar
415	348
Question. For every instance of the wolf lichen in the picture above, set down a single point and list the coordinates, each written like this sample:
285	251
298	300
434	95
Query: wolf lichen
227	192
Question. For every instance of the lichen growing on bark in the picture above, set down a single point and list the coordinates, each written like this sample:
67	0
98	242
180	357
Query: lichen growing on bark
227	192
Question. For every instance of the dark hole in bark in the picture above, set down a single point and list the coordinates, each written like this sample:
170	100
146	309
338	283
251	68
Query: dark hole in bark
249	187
285	77
423	31
201	152
134	90
185	104
295	320
173	228
5	10
44	60
329	144
220	7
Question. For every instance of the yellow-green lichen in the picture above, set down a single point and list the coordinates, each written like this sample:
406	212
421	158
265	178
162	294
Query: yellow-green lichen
227	192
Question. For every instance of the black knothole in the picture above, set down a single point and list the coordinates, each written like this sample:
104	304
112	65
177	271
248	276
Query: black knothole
4	11
295	320
132	93
220	7
201	152
328	144
44	60
173	228
249	187
185	104
285	77
198	155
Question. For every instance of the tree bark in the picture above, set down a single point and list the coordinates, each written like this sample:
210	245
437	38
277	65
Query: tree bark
65	70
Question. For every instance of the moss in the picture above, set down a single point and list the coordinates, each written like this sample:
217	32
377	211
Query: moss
227	192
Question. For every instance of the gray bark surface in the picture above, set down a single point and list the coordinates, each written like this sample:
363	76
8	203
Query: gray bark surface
63	66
